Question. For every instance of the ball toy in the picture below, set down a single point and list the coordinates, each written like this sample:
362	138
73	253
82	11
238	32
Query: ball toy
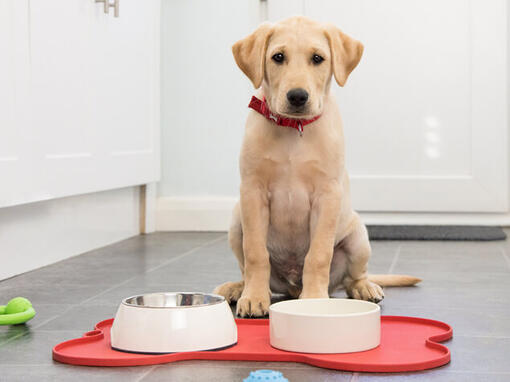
17	311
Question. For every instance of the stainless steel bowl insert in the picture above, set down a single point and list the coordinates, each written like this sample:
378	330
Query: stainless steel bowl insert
173	300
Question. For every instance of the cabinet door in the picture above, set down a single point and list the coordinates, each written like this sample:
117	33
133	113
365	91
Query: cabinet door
425	113
14	81
93	105
127	77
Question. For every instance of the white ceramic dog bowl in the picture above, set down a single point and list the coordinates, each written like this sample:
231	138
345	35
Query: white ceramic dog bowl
325	325
173	322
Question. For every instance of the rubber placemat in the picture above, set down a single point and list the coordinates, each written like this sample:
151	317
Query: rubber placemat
407	344
435	232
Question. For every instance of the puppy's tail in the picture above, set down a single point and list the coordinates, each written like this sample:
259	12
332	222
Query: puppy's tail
394	280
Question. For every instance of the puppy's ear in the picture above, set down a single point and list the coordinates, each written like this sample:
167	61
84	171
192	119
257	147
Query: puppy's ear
345	53
250	53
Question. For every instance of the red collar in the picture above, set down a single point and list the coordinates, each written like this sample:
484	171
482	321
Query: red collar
262	108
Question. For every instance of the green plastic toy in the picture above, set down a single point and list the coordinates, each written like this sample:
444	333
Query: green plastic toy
17	311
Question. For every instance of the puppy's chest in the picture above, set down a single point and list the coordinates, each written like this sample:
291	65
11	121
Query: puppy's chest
290	193
288	238
290	197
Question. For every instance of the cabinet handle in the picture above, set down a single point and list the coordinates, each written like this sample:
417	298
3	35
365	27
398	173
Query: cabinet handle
107	5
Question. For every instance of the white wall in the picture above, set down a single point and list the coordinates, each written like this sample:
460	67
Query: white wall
37	234
201	124
200	136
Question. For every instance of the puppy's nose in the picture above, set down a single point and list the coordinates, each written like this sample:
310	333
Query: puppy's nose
297	97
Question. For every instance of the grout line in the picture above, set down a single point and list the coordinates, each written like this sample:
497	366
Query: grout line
188	253
12	338
146	373
178	257
355	377
395	259
45	321
31	329
505	256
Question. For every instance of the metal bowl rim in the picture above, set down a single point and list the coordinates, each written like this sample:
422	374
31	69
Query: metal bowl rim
221	299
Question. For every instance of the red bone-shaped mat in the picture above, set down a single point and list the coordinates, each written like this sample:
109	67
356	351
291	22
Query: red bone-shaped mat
407	344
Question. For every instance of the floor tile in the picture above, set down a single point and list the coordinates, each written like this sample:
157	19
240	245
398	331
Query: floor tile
90	272
383	253
60	372
449	280
50	293
437	296
114	297
44	312
484	358
465	321
34	347
467	247
479	354
464	284
182	273
438	375
8	332
80	317
458	258
211	265
156	248
233	371
115	263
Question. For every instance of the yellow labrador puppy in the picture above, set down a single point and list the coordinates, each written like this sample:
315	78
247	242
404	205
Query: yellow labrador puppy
294	230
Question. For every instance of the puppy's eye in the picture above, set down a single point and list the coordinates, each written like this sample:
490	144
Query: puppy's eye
317	59
278	58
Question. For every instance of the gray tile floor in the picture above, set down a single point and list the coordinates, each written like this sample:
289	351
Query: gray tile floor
466	284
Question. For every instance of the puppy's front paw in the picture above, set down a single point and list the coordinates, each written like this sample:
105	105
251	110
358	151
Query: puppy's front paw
253	306
231	290
365	290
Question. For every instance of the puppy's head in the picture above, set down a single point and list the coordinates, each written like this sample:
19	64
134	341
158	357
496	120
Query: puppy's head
294	60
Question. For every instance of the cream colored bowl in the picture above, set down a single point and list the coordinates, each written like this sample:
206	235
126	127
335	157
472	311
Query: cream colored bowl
325	325
173	322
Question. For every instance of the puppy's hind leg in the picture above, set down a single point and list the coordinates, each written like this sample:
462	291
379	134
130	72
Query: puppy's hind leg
232	290
357	249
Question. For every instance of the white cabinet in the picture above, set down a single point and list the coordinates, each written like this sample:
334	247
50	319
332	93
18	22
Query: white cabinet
425	113
14	81
89	99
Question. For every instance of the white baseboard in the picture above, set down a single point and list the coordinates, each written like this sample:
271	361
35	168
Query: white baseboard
38	234
213	214
194	214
